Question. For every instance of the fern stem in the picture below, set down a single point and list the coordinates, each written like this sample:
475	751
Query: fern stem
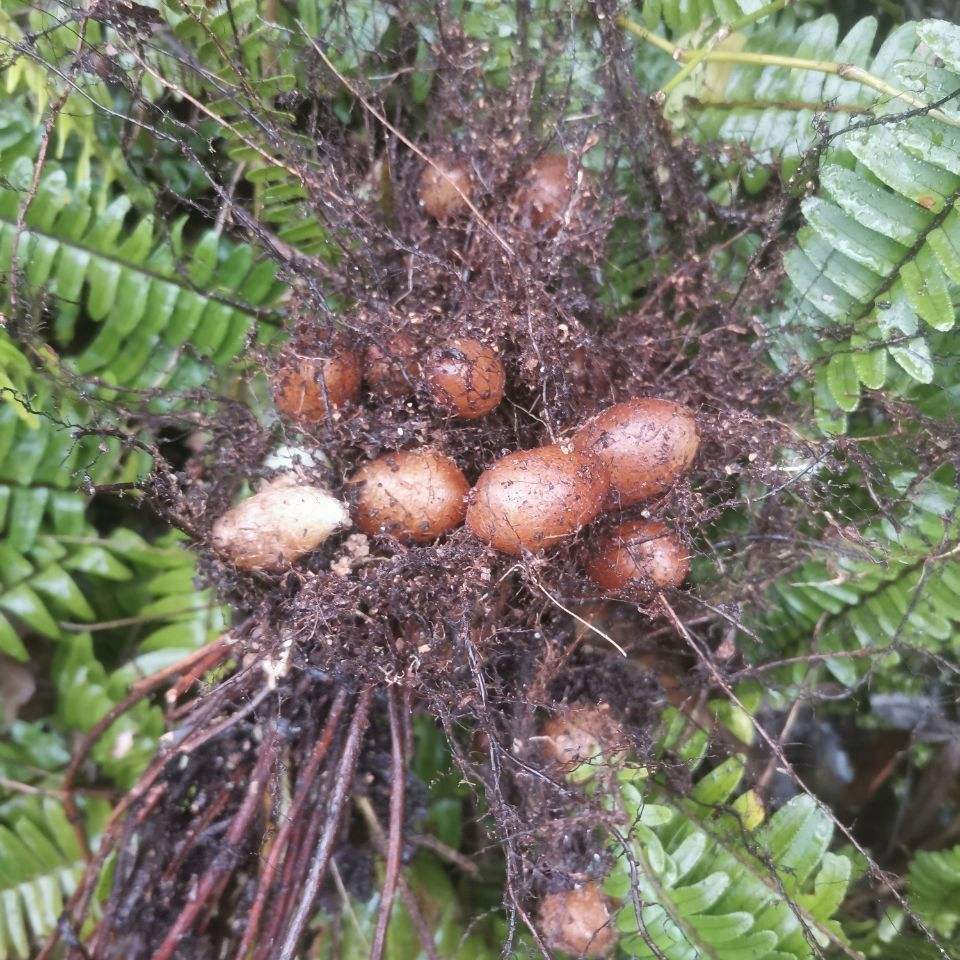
698	56
794	105
846	71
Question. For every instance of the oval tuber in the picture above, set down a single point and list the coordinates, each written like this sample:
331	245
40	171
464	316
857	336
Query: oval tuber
466	377
393	368
647	444
546	190
276	526
584	734
578	921
445	188
530	499
308	387
639	554
414	496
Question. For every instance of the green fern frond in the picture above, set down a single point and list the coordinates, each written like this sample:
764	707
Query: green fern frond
878	259
701	876
40	470
901	588
933	889
681	17
149	614
146	307
56	567
41	864
141	600
15	375
875	269
241	91
713	882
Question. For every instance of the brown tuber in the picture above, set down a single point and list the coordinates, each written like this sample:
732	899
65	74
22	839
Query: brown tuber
308	387
530	499
639	554
414	496
466	377
546	190
647	444
278	525
445	188
393	368
584	734
579	922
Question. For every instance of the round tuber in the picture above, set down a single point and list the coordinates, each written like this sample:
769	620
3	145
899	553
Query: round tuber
276	526
466	377
578	921
308	387
530	499
646	444
414	496
639	554
445	189
393	368
584	734
546	190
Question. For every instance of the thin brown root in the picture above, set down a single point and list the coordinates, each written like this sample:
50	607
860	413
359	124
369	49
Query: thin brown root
280	844
208	655
395	840
343	781
209	885
406	893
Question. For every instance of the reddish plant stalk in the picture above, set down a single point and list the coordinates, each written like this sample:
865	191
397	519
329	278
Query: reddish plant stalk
308	777
343	782
395	839
210	654
210	881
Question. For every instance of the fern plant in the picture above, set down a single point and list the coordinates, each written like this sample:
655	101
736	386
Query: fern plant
933	889
41	863
901	589
873	270
139	304
127	282
702	876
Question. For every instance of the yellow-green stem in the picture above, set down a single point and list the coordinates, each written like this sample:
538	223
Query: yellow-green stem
845	71
697	56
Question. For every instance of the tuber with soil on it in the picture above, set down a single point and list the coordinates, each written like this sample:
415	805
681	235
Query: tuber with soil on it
638	555
308	388
466	377
413	496
546	190
646	443
445	188
393	369
532	499
583	734
278	525
578	921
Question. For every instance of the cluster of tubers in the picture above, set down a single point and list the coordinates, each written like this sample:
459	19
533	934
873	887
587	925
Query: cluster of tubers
545	192
580	921
527	501
464	376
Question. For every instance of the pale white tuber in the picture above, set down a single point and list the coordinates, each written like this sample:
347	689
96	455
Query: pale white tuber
276	526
